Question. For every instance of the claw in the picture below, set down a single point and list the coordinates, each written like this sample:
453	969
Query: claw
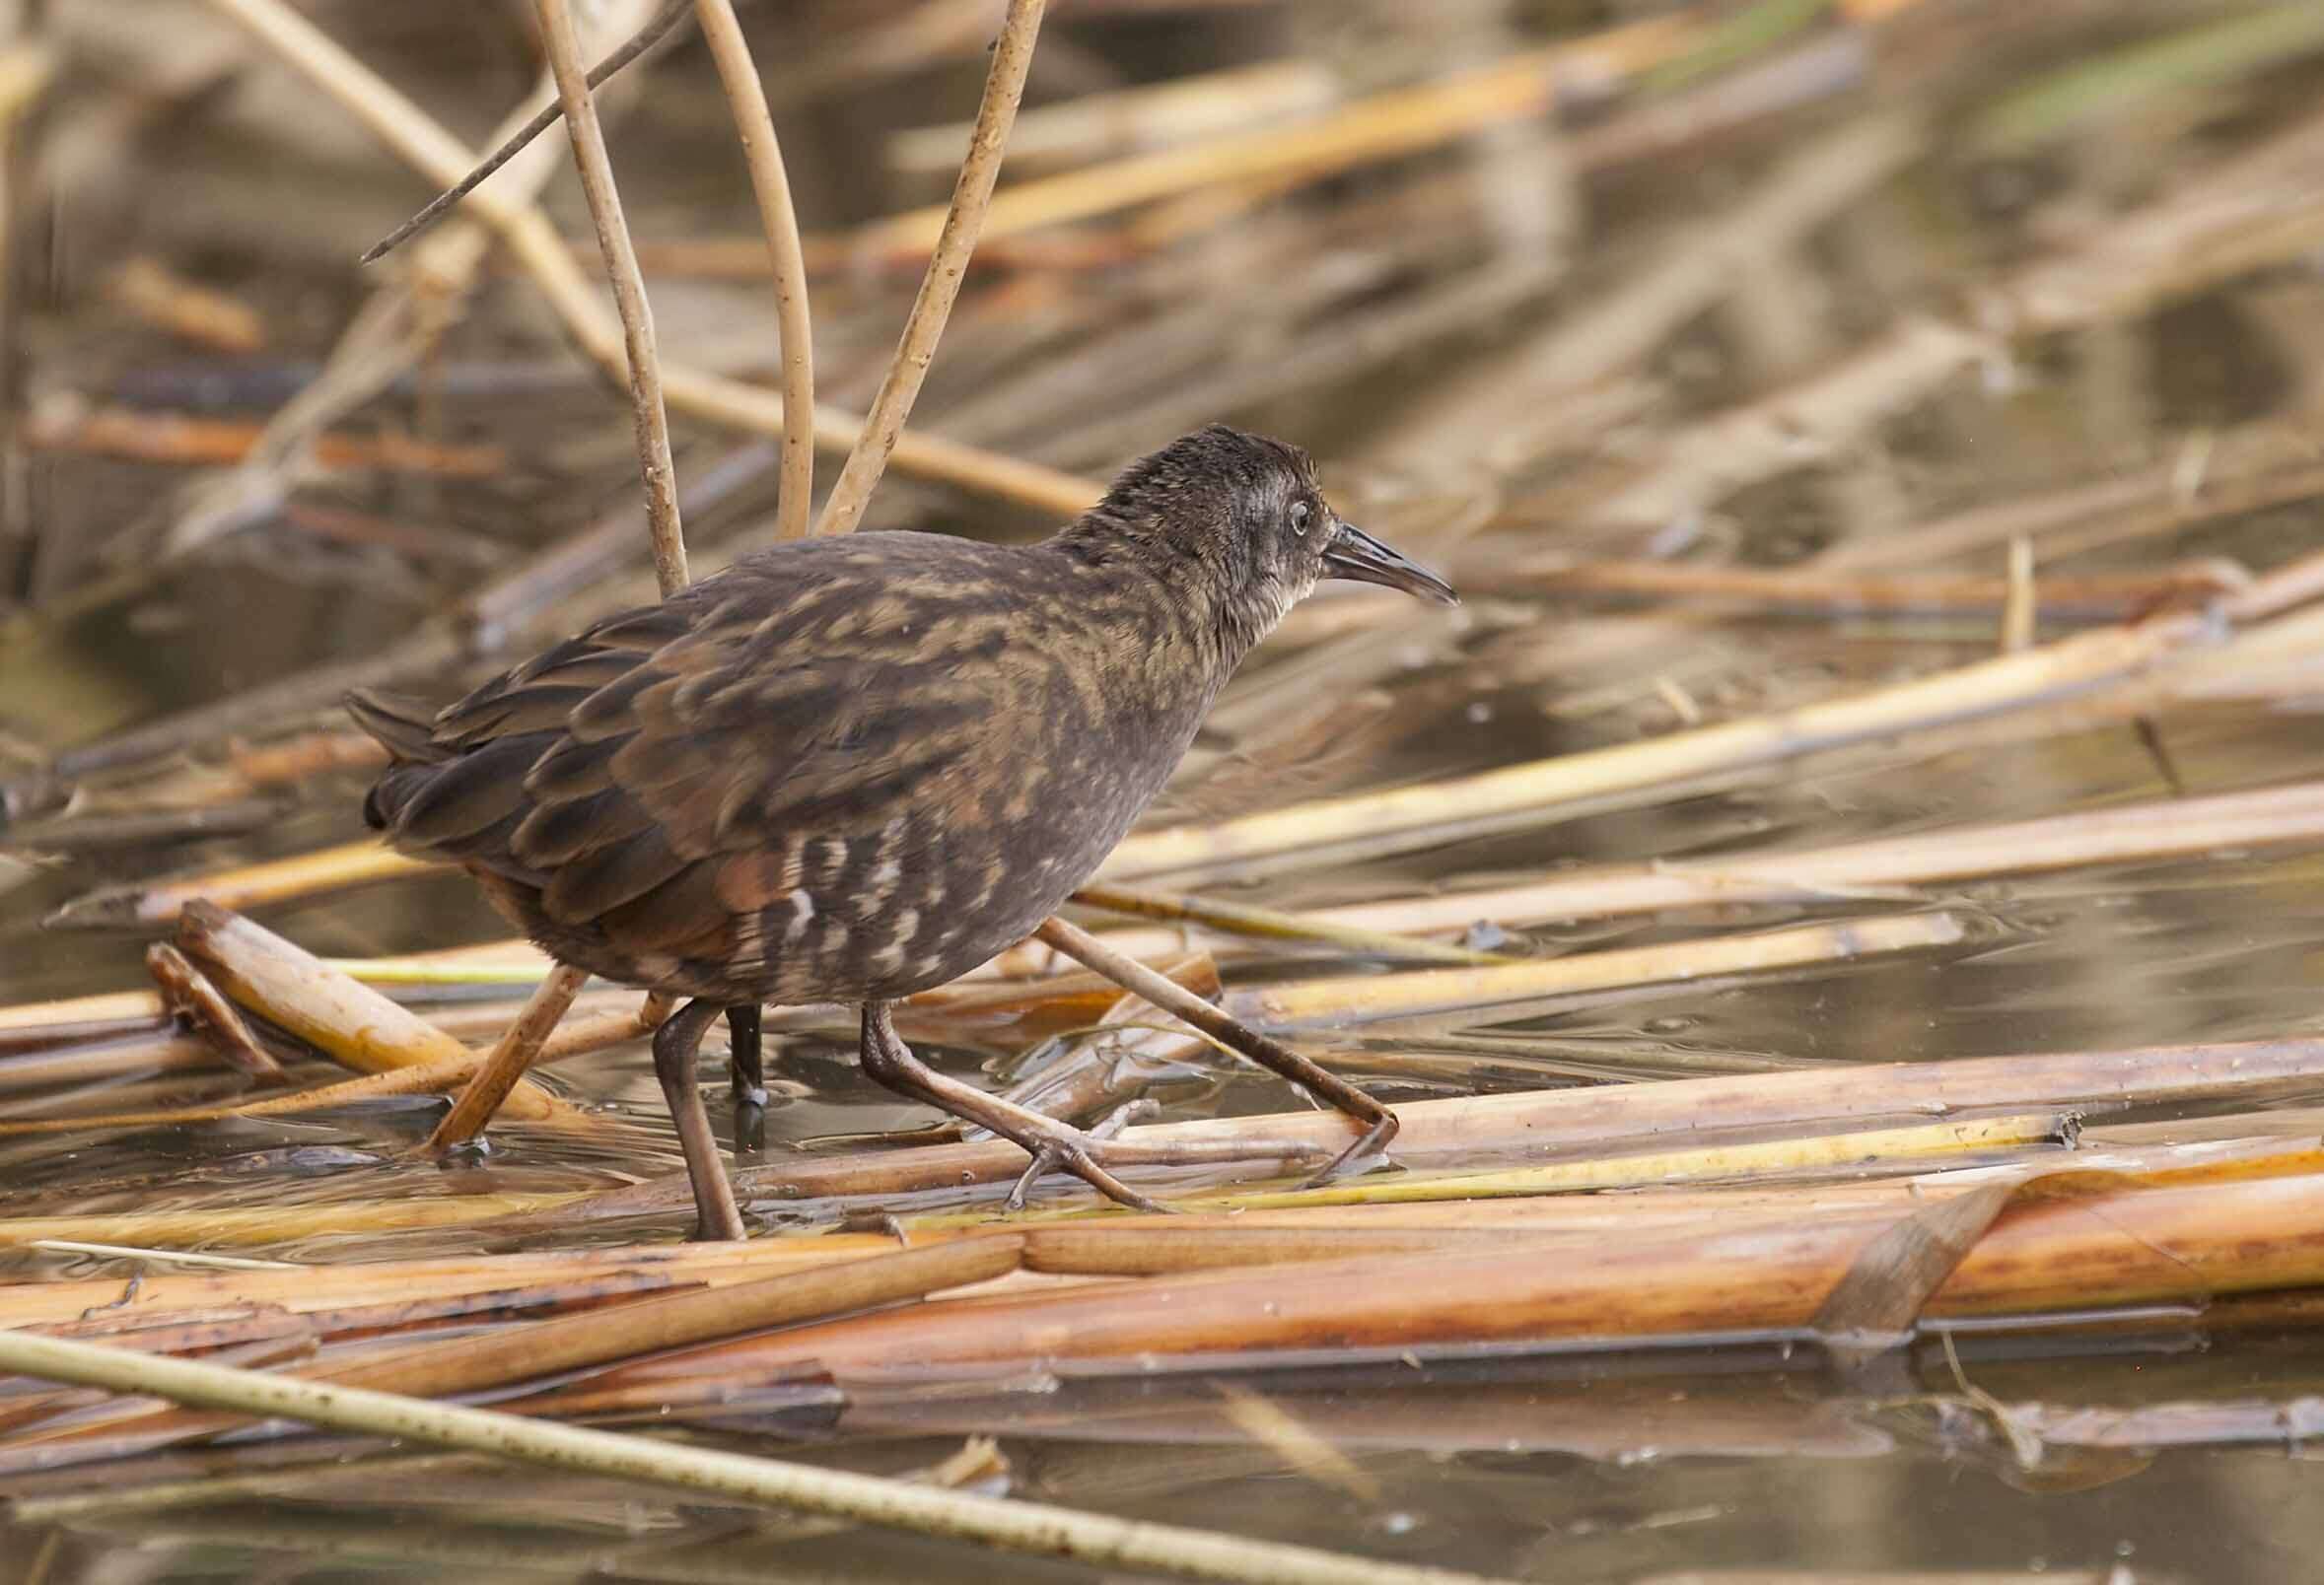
1076	1159
1044	1160
1371	1142
1123	1116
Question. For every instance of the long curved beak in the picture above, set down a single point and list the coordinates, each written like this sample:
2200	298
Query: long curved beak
1355	554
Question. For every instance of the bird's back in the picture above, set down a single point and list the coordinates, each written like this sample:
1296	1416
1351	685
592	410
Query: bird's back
843	770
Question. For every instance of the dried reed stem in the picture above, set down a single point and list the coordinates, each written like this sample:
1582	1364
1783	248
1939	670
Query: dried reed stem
2275	816
2022	608
1860	1152
1012	1525
629	293
670	16
1267	923
518	1048
1004	86
2131	1244
420	141
1223	1027
170	1052
2110	597
531	1349
1384	127
1518	794
1611	1120
770	184
261	1225
420	1079
351	1022
350	1295
354	863
515	1051
2134	833
1389	996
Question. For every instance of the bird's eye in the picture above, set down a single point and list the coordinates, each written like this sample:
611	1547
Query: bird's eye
1299	519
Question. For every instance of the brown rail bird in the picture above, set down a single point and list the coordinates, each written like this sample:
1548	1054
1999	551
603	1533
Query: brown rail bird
850	769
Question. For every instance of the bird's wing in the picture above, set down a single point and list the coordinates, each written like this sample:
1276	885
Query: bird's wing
684	763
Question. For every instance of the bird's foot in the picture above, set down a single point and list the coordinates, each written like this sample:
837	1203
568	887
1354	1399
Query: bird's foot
1089	1155
1050	1154
1357	1156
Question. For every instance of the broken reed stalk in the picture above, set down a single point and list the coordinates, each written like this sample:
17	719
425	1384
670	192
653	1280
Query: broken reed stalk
505	1064
192	999
196	1492
947	265
1012	1525
1212	1240
423	143
173	1053
178	440
651	420
770	184
1867	1155
349	1020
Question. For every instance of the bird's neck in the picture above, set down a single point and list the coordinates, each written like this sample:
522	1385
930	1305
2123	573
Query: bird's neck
1192	604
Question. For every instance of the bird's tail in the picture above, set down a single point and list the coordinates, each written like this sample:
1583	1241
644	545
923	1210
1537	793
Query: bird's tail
405	727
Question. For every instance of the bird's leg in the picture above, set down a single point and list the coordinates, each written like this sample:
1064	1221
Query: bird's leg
749	1074
888	1060
1380	1124
674	1046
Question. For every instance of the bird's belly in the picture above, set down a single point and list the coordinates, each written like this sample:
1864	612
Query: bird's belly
869	917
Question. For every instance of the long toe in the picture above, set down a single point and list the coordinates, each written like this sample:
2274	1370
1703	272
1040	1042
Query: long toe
1358	1158
1078	1161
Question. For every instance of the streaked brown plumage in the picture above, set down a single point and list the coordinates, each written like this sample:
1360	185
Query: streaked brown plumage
852	769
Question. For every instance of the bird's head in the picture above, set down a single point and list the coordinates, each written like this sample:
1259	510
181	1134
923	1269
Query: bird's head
1247	515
